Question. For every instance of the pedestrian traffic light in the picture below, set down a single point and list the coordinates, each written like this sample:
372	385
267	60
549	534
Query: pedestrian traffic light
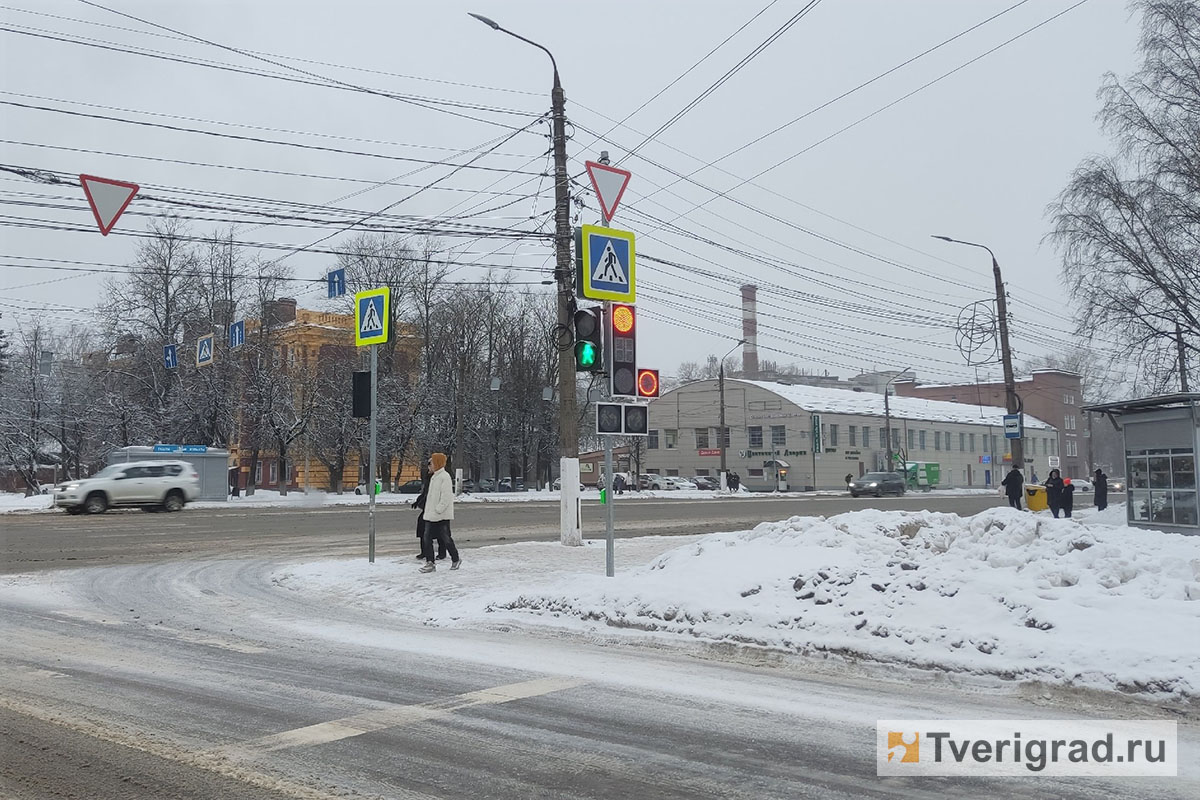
647	383
624	350
637	420
610	418
588	336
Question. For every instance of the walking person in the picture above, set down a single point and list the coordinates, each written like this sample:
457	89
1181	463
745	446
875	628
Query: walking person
1014	487
1054	491
439	510
1101	484
1068	497
420	503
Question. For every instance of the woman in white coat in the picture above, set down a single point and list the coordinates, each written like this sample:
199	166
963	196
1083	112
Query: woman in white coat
439	510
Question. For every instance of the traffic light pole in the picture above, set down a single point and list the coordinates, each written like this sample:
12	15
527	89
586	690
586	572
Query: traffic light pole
371	470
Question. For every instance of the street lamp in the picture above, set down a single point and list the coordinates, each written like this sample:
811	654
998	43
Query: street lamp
568	424
1011	401
887	417
721	385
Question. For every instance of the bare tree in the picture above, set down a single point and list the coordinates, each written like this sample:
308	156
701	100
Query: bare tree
1128	225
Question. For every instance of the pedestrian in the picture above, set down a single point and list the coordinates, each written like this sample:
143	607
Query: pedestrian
439	510
1101	490
619	483
1014	487
1068	497
420	503
734	481
1054	491
849	478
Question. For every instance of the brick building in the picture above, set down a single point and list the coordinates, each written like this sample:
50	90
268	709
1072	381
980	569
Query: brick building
1051	395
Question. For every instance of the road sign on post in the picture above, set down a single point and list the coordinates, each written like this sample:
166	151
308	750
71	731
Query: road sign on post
170	356
204	350
609	183
108	199
816	433
237	333
371	316
1012	426
336	281
605	264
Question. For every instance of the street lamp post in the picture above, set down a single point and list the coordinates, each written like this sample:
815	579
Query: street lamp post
721	386
1011	401
568	424
887	418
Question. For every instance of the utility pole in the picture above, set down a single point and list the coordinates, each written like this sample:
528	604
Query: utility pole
721	387
1183	380
1011	401
568	424
887	419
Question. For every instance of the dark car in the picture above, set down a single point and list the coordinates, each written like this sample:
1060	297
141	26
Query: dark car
507	485
705	482
878	484
411	487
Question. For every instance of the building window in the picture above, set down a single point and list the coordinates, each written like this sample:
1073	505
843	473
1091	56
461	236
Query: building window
883	442
937	440
853	436
866	436
912	440
921	439
652	440
702	438
274	471
779	436
755	473
702	473
258	473
671	435
833	435
673	473
971	441
755	434
962	443
1054	447
947	435
1162	486
1072	447
725	437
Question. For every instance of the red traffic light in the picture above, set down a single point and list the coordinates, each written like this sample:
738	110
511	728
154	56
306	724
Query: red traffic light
622	318
647	383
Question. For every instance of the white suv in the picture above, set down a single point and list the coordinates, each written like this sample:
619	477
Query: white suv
152	485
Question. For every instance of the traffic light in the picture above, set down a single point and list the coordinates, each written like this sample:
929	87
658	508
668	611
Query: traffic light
647	383
588	337
637	420
624	350
610	418
361	395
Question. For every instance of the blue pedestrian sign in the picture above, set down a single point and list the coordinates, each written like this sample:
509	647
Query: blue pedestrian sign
237	333
170	356
371	316
337	282
204	350
605	264
1012	426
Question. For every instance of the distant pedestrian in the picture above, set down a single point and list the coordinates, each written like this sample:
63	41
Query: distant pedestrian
439	510
1014	487
734	481
1068	497
619	483
849	478
1054	491
1101	490
420	504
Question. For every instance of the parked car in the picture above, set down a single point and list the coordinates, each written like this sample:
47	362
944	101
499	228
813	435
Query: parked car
411	487
1116	484
507	485
150	485
670	483
1082	484
487	484
644	480
878	484
706	483
468	486
557	485
686	483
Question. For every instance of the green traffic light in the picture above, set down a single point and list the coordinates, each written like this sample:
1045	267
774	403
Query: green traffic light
585	355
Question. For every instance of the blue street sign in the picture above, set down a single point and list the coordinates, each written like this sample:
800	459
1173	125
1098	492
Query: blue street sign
204	350
170	356
605	264
237	333
985	459
166	448
371	316
1012	426
337	282
195	448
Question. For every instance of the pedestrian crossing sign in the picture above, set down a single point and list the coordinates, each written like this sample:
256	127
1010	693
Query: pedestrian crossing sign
371	316
204	350
605	264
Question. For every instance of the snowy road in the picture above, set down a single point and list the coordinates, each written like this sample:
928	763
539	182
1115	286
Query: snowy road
209	680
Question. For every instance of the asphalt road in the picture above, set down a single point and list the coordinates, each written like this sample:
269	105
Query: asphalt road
31	542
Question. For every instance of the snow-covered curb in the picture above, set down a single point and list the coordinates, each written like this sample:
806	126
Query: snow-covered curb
1004	593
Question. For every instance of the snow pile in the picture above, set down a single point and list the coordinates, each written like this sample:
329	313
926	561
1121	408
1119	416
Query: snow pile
14	501
1004	593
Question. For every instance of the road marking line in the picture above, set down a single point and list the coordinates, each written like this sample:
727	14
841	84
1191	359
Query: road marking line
395	716
86	616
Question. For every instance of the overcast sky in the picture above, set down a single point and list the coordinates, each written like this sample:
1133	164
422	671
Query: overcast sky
837	237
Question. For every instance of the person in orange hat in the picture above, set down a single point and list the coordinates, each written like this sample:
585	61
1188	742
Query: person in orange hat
439	510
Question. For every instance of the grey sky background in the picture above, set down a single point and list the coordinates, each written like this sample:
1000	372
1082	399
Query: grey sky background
977	155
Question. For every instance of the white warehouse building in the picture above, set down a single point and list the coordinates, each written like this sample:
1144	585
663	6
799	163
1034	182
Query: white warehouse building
769	436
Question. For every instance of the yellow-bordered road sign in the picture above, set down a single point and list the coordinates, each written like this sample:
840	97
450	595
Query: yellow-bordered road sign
605	266
371	316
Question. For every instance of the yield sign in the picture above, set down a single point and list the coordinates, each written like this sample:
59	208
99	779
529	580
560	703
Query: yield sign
609	183
108	198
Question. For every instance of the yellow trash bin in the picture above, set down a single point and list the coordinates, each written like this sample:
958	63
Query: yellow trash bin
1035	498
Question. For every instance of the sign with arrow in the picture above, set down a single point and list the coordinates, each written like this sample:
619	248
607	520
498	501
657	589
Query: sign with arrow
336	282
609	183
237	333
170	356
108	198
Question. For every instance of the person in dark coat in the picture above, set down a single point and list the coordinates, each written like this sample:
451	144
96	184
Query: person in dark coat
1054	491
1068	497
1101	490
1014	486
420	503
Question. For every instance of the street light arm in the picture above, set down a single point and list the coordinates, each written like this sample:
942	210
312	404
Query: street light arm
969	244
497	27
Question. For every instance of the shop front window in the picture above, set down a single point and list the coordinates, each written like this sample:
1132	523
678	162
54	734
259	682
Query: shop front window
1162	486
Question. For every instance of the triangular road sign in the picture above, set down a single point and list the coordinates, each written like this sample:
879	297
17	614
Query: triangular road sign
609	183
108	198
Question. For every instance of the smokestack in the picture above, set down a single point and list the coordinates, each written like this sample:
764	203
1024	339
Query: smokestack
750	331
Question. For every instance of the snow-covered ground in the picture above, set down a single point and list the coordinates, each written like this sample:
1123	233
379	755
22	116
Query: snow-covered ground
264	498
1083	602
